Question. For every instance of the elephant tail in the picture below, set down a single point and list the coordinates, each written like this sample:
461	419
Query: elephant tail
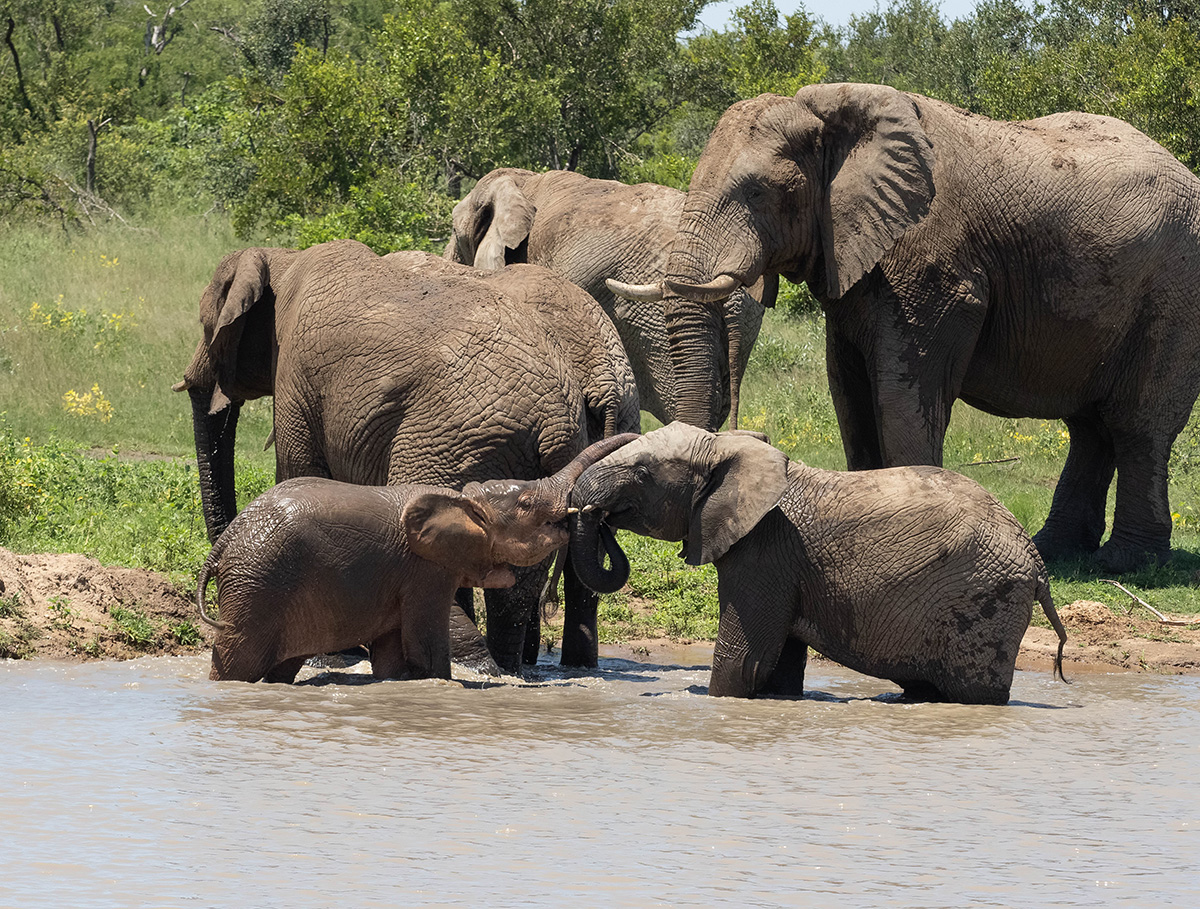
1043	596
202	582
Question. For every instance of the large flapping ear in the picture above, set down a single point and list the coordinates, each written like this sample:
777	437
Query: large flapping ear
493	219
449	529
878	165
746	479
242	281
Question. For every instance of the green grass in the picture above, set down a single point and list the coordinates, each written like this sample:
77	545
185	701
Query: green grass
113	475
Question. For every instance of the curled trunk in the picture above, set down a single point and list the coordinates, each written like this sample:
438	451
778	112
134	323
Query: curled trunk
215	435
591	541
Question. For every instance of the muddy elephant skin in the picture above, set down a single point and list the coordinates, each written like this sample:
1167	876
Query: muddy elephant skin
316	565
913	574
386	373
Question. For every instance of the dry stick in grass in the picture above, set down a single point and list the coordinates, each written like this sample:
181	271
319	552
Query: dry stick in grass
1161	617
993	461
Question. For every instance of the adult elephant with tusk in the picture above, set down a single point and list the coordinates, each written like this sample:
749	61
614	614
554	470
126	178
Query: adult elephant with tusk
612	240
384	373
1045	268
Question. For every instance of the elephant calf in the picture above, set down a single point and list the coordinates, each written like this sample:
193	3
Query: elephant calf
315	565
914	574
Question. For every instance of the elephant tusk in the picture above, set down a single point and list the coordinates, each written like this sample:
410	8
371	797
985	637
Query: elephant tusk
647	293
572	511
588	509
717	289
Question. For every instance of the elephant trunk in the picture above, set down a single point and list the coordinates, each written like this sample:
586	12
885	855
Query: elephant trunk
715	254
591	541
215	435
558	487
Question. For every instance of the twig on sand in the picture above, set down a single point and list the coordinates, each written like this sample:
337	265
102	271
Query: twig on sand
1161	617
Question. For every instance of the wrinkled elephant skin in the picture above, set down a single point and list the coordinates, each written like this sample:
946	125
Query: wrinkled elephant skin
914	574
384	372
1044	269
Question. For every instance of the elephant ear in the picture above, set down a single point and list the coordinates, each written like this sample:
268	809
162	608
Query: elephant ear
242	281
507	213
879	172
450	530
747	479
765	290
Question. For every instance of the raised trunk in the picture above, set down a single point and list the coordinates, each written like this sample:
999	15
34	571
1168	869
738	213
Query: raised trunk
215	435
591	540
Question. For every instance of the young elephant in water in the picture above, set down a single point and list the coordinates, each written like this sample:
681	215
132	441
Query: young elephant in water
314	566
914	574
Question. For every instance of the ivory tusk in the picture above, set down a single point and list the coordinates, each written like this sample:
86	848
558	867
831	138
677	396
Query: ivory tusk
647	293
572	511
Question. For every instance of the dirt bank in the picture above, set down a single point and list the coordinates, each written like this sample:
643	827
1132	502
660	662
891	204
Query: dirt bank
72	607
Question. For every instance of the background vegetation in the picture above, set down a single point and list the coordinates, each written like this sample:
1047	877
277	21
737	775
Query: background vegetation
137	147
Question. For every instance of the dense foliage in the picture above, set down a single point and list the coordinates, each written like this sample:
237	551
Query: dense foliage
311	119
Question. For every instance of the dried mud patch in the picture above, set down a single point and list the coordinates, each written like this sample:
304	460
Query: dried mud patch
72	607
1102	638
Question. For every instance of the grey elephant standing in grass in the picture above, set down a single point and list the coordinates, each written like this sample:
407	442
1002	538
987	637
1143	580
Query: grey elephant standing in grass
914	574
595	231
1046	268
316	565
385	374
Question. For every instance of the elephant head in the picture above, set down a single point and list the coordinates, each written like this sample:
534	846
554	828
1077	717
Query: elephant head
233	363
493	222
491	526
676	483
817	188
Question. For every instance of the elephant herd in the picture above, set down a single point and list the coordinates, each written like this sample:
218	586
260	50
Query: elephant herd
1043	268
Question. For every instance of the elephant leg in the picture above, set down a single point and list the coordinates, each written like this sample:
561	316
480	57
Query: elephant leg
533	637
580	641
853	402
240	663
508	614
788	677
1076	520
1142	517
467	646
418	650
286	671
387	656
465	598
756	618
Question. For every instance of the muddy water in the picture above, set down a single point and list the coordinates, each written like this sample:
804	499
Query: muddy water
143	784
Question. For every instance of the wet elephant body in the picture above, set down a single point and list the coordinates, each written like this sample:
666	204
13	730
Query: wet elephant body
383	374
916	574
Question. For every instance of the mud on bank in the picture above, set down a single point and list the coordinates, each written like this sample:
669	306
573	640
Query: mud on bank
72	607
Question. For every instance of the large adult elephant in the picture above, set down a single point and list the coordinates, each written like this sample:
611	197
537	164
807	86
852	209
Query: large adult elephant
1046	268
384	373
594	231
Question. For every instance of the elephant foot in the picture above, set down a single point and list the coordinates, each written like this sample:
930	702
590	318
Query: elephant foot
1055	547
1118	558
580	649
